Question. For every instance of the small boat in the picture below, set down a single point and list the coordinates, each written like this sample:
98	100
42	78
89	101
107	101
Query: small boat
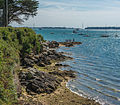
77	29
81	30
74	31
86	36
116	35
40	28
104	35
52	33
81	34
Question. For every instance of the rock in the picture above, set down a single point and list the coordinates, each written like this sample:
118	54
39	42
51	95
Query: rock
104	35
64	73
58	65
41	64
69	44
38	82
28	62
53	44
45	57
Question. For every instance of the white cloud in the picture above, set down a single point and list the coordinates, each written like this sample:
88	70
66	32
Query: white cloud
73	14
80	5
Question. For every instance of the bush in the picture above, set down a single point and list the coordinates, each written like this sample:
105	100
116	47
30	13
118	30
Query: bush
14	42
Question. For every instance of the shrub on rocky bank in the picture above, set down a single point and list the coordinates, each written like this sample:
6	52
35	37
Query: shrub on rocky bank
15	44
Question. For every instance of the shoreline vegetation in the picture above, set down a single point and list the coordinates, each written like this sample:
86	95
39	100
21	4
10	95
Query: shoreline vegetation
78	28
32	75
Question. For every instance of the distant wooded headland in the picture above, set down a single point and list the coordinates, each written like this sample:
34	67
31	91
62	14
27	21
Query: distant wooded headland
102	28
52	27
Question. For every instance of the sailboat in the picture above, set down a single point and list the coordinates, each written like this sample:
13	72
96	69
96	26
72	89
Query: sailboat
81	30
86	35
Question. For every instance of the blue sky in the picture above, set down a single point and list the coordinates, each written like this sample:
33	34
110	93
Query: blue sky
74	13
79	5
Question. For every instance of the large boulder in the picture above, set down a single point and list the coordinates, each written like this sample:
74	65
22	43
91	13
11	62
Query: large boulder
38	81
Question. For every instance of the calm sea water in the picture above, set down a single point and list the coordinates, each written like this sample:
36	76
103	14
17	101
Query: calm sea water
96	61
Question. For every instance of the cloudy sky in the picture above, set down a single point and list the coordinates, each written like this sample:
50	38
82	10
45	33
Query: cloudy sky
74	13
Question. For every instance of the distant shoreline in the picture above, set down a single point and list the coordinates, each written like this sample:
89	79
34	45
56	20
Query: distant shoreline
53	27
91	28
113	28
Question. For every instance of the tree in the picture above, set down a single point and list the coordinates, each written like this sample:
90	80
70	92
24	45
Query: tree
1	4
21	10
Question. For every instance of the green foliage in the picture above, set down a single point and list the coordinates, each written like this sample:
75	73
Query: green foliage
20	10
8	57
14	42
1	4
38	44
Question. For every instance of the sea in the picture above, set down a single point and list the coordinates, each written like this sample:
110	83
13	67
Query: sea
96	61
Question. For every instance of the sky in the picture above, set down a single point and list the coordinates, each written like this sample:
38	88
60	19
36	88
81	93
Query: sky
74	13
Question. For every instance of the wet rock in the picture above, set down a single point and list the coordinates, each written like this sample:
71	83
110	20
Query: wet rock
53	44
38	82
64	73
43	58
69	44
28	62
57	64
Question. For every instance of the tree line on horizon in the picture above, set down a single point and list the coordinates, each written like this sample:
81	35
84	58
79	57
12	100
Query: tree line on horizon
102	28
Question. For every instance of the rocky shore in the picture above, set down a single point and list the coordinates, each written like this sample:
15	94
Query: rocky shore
41	81
69	44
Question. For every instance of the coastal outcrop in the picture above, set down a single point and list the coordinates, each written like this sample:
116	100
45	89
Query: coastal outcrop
49	53
53	44
38	82
64	73
43	58
28	61
69	44
50	44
